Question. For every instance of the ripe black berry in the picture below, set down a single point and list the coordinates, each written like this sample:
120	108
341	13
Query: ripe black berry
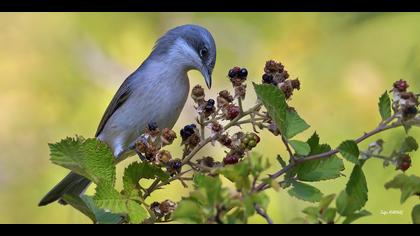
243	73
267	79
187	131
177	165
234	72
210	102
152	126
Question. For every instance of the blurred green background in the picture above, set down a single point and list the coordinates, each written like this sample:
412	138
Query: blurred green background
60	70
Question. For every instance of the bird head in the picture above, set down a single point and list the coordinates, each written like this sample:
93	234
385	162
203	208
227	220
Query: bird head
190	46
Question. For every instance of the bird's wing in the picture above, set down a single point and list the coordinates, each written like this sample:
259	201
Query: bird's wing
119	99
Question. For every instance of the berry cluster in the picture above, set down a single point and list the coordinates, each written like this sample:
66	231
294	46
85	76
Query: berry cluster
276	75
238	144
405	102
238	77
149	147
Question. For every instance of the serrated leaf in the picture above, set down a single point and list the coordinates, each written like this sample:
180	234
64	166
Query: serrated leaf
106	197
313	143
415	214
211	186
355	216
189	211
86	205
288	121
305	192
136	212
355	195
90	158
409	145
322	169
385	106
409	185
275	102
294	124
301	148
137	171
350	151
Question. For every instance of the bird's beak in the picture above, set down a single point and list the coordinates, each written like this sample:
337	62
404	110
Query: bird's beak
207	76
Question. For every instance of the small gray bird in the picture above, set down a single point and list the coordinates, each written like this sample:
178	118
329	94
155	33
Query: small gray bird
155	92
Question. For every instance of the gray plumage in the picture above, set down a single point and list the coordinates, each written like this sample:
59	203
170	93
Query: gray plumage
156	91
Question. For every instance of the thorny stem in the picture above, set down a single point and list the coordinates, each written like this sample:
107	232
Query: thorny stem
383	126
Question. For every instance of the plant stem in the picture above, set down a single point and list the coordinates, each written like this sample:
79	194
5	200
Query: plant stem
381	128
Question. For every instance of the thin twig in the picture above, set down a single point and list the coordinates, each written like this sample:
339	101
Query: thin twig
264	214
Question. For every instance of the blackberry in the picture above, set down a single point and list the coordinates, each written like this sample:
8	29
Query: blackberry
152	126
243	73
267	79
234	72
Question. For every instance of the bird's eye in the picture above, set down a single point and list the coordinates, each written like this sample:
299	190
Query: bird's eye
203	52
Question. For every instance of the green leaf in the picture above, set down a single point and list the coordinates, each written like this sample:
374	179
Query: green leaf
86	205
305	192
415	215
313	143
300	147
189	211
325	202
137	171
238	174
329	215
409	186
409	145
288	120
294	124
275	102
385	106
211	186
136	212
106	197
355	216
323	169
350	151
356	194
90	158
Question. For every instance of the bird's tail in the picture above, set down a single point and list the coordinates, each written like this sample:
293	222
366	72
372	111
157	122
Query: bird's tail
73	184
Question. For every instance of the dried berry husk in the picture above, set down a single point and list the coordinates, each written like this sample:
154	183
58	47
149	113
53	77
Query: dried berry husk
197	94
168	136
163	157
272	66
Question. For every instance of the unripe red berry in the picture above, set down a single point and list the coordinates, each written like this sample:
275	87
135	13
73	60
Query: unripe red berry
231	159
401	85
232	112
